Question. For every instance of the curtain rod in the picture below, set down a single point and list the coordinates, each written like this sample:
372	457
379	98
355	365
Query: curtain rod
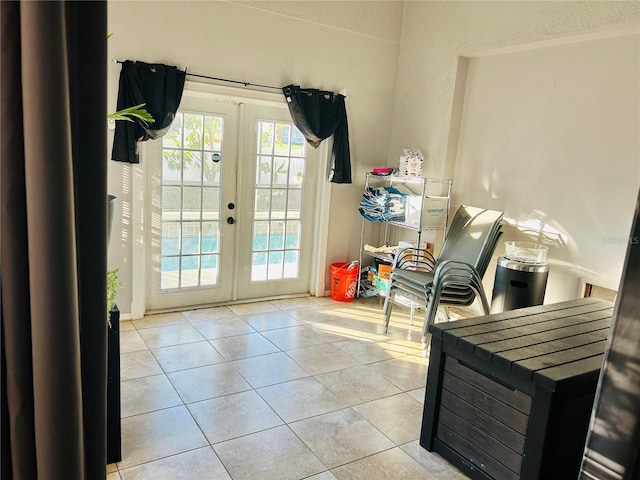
246	84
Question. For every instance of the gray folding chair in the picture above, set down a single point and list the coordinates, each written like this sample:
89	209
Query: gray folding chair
455	278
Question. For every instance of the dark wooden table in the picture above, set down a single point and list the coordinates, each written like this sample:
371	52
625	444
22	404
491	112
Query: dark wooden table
509	395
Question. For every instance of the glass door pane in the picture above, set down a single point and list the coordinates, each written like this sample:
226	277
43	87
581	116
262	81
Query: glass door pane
279	162
275	235
190	201
192	176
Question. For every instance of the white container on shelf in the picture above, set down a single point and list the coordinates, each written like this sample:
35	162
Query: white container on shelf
434	211
411	163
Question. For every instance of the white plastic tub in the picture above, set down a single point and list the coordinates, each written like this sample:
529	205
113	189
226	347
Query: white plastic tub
525	252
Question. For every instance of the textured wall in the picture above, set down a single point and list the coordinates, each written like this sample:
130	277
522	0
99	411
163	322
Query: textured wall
551	136
434	34
380	19
427	105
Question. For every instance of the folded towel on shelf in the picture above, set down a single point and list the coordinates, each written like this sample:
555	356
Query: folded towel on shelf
382	204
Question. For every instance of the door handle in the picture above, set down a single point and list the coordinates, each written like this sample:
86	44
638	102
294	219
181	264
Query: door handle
231	206
231	220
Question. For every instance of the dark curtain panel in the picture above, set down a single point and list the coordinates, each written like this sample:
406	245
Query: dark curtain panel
160	88
53	249
318	115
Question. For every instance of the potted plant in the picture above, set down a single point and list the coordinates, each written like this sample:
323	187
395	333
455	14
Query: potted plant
114	449
113	284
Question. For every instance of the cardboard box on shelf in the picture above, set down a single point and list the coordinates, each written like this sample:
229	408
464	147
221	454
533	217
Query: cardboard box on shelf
382	284
384	271
428	246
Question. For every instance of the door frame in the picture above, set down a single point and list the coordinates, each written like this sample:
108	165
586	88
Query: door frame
140	188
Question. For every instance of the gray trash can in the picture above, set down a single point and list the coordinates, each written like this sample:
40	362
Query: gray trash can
518	284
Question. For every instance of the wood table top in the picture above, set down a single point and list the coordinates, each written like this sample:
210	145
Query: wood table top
550	345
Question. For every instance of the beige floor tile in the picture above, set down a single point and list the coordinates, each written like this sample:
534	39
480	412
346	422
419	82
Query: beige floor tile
400	347
341	330
390	464
159	320
147	394
323	300
203	314
240	402
362	316
290	303
131	341
399	417
410	338
418	394
270	320
138	364
296	337
300	399
243	346
251	308
340	437
366	350
199	464
232	416
126	326
322	358
407	373
222	327
155	435
269	369
357	385
433	463
189	355
271	454
322	476
212	381
156	337
317	314
359	325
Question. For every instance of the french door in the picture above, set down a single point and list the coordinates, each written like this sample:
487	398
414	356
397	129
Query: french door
231	206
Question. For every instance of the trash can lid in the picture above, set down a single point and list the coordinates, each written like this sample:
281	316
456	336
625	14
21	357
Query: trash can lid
522	266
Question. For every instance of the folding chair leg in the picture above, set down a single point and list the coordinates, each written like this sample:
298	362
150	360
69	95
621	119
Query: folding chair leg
483	301
429	316
386	311
442	314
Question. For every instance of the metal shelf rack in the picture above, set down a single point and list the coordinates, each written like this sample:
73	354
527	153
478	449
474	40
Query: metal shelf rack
420	187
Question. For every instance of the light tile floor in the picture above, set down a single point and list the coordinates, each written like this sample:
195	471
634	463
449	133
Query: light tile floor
287	389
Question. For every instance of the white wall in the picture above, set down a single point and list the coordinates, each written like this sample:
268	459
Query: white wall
430	87
551	136
435	34
350	46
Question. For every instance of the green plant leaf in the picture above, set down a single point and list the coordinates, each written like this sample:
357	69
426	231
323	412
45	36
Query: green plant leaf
137	111
112	287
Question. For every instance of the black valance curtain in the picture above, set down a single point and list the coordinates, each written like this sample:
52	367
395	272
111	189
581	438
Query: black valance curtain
318	115
160	88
